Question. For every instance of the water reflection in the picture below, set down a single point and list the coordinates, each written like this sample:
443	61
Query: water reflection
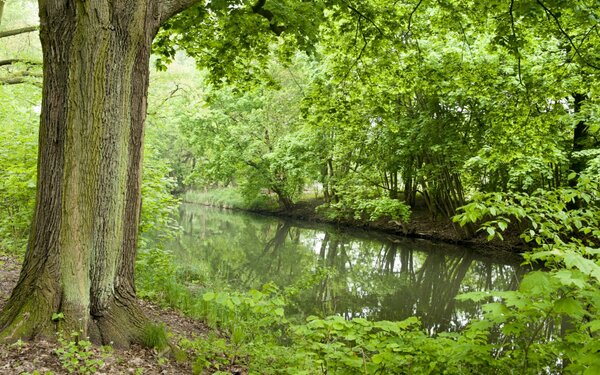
368	275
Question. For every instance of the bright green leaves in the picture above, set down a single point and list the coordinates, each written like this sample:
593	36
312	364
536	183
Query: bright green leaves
235	41
359	346
577	261
525	319
536	282
571	278
546	217
18	155
254	140
564	223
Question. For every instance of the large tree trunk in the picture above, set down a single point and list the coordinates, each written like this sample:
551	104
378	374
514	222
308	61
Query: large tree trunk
81	251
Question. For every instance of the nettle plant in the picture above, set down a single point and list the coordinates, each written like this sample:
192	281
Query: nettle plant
553	321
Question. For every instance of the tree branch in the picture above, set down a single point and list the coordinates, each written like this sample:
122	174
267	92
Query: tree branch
259	9
169	8
515	41
412	14
2	2
562	31
360	54
9	61
22	30
360	14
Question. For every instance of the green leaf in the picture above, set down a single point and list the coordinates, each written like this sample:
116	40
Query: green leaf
502	225
570	277
58	316
570	307
536	282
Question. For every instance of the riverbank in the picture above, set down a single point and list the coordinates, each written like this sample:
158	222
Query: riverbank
421	224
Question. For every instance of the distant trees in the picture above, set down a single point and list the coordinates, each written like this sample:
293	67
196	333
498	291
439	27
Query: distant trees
428	103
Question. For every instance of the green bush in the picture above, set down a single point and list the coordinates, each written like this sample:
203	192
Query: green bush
18	155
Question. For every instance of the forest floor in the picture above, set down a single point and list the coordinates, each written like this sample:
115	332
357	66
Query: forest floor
40	355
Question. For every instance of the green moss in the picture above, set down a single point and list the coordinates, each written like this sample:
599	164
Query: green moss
29	321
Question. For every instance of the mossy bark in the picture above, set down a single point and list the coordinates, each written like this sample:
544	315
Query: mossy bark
81	251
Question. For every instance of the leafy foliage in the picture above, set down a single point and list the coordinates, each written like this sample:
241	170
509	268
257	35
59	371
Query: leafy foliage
252	140
78	356
18	152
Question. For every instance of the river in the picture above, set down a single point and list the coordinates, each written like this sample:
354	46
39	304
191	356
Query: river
333	271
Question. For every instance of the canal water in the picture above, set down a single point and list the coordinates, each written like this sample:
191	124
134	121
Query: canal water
327	270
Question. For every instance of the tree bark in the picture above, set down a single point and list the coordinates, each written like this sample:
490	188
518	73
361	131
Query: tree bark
579	140
82	245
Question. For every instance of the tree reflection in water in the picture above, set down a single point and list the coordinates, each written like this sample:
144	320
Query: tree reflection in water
367	275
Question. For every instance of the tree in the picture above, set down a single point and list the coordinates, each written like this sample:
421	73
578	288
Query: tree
78	269
83	240
253	139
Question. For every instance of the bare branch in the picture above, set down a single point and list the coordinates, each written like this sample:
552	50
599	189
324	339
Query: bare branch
22	30
166	99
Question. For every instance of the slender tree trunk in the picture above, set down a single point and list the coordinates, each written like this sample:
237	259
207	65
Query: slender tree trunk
2	2
579	140
82	246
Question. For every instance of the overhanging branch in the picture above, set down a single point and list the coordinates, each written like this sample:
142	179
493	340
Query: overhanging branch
412	13
170	8
362	15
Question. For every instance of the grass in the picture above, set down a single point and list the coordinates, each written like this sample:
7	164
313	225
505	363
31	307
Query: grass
155	336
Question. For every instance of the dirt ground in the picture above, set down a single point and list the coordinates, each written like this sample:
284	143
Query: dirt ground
27	357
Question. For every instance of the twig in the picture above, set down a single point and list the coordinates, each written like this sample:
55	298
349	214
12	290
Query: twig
364	47
412	14
567	36
516	44
360	14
